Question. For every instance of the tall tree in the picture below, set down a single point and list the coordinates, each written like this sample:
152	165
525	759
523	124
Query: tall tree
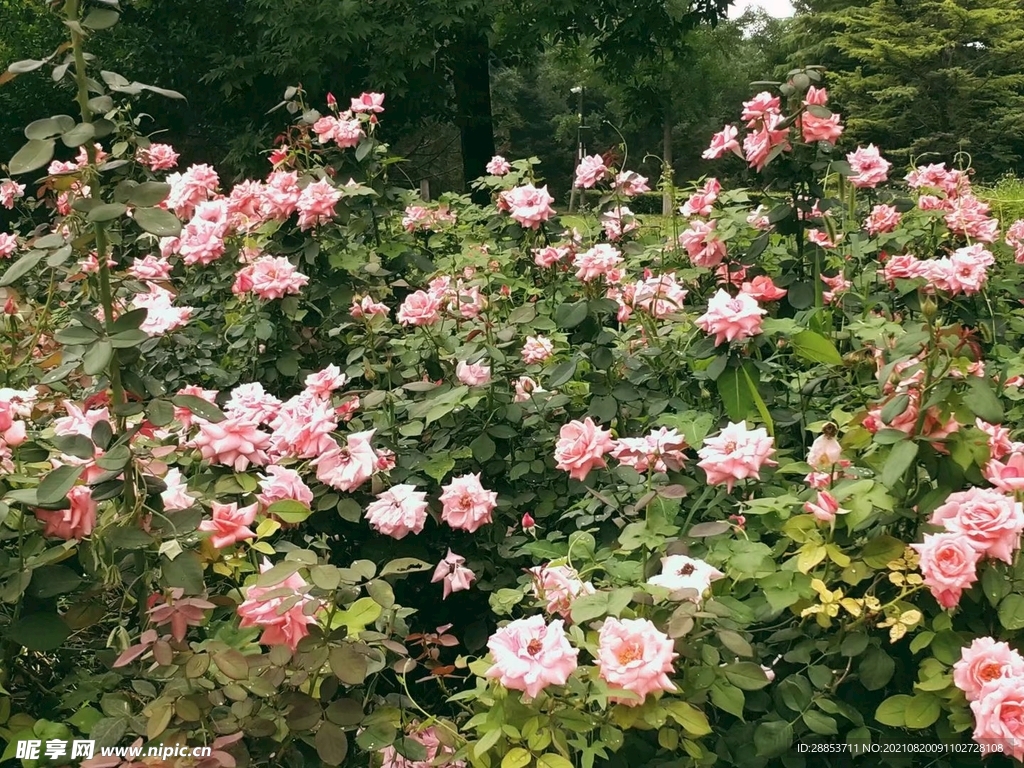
924	79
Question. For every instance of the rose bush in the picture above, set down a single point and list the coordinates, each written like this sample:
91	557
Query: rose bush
684	503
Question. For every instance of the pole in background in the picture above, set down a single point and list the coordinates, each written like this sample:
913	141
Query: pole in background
580	150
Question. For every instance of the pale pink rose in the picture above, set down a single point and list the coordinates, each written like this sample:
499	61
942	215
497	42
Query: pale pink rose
498	166
365	306
435	750
1007	476
999	443
75	522
869	167
991	519
537	349
883	219
679	572
283	484
722	142
590	171
453	572
398	512
316	204
559	586
283	619
660	296
736	453
603	260
825	453
8	245
157	157
758	145
966	271
271	277
345	131
466	504
617	222
999	717
982	662
824	507
303	427
633	655
949	563
528	205
757	218
229	524
550	255
419	308
473	374
79	421
763	105
249	402
731	318
1015	239
530	655
280	196
630	183
821	238
232	442
968	216
661	451
702	244
150	268
9	192
161	315
820	128
368	102
936	176
581	447
323	383
762	288
702	202
345	469
817	96
91	264
525	388
176	496
190	188
837	285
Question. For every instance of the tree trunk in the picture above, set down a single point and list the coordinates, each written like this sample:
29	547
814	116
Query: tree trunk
667	195
471	77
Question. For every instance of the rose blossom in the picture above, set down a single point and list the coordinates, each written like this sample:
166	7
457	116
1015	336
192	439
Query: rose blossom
283	484
368	102
550	255
398	512
530	655
176	496
590	171
434	749
8	245
345	469
949	564
559	586
525	388
498	166
633	655
731	318
736	453
453	572
9	192
824	507
229	524
702	245
992	520
602	260
270	277
722	142
883	219
280	625
630	183
537	349
419	308
825	453
581	447
157	157
233	442
999	717
316	204
679	572
869	168
1007	476
528	205
763	288
701	202
473	374
466	504
75	522
982	662
365	306
249	402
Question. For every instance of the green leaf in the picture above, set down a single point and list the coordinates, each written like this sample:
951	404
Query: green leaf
693	720
149	193
232	663
79	135
161	412
900	458
746	675
773	738
55	486
290	511
331	744
53	580
21	267
1011	612
404	565
562	373
876	669
923	710
882	550
893	711
34	155
39	631
982	400
551	760
819	723
517	757
100	18
735	394
185	571
815	348
158	222
98	357
204	409
895	407
728	698
483	448
106	212
348	664
570	315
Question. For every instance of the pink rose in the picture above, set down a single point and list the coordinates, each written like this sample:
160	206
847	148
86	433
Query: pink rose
419	308
281	625
157	157
869	168
824	507
466	504
702	245
434	748
949	563
498	166
537	349
530	655
732	318
999	717
229	524
722	142
473	374
603	260
702	201
559	585
763	288
283	484
736	453
983	662
345	469
631	183
883	219
176	496
825	453
453	573
232	442
1007	476
75	522
992	520
368	102
634	656
581	447
590	171
528	205
9	192
398	512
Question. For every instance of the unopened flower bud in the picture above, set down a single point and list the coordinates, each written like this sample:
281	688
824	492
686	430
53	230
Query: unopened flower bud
929	308
529	524
332	102
10	306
